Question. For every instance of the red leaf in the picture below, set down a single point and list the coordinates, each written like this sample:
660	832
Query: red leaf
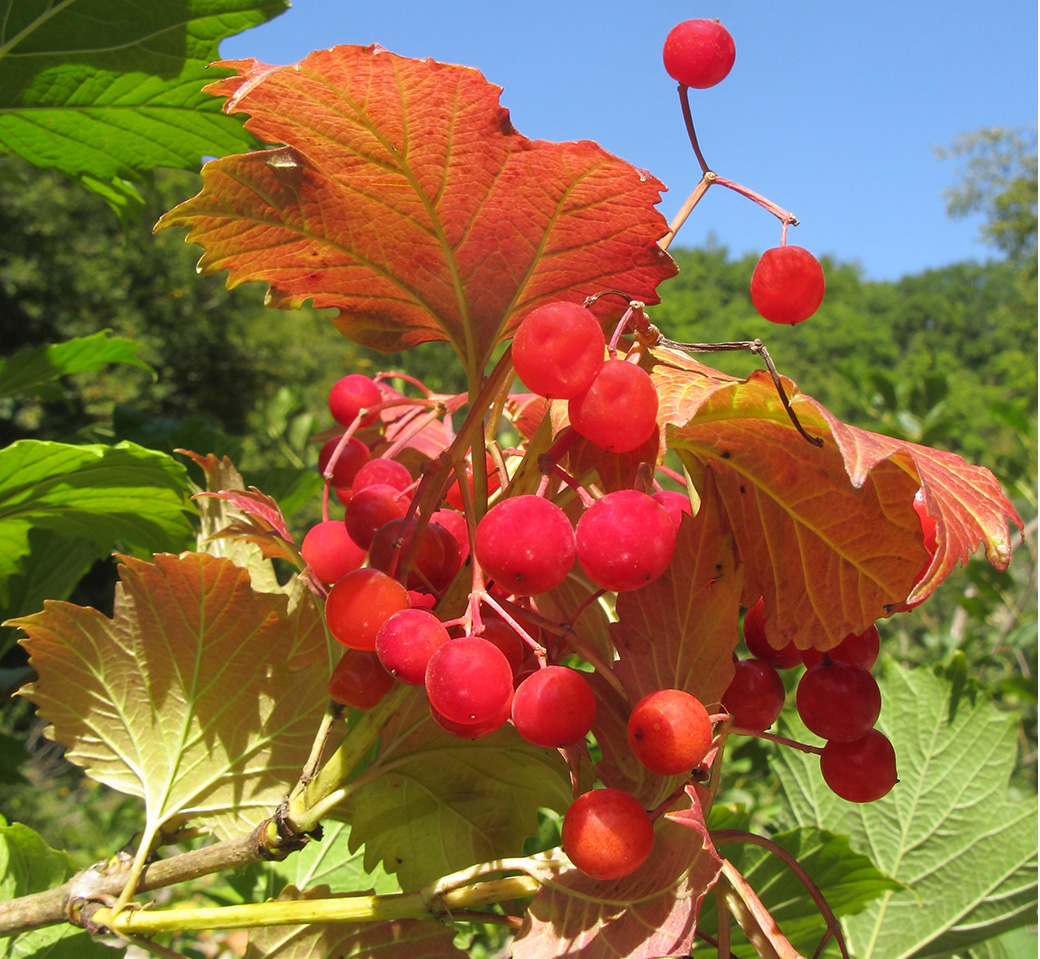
404	197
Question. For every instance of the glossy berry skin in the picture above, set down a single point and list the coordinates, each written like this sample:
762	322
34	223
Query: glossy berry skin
359	680
557	349
862	648
607	834
677	504
618	412
624	540
359	604
863	770
787	285
468	680
837	700
330	552
406	642
350	395
351	458
699	53
755	695
525	544
554	706
755	639
669	732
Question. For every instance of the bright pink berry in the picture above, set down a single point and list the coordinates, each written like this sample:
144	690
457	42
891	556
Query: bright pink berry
618	412
352	394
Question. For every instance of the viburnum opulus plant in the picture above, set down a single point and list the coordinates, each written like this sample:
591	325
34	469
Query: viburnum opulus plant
512	603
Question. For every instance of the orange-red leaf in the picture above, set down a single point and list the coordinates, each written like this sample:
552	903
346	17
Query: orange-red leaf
404	197
827	534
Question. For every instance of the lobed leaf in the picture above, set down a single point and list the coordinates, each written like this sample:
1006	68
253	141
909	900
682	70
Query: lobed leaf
949	831
200	695
828	535
107	90
403	197
433	803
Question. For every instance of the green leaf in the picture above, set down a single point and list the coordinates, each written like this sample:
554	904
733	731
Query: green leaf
111	496
28	865
847	879
31	369
949	830
107	90
434	803
50	570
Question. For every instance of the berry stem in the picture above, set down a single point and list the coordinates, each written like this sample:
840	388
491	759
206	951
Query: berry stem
725	837
757	347
774	738
687	208
684	103
785	216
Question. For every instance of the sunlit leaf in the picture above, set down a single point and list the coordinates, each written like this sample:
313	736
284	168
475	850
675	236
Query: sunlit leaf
828	535
82	492
949	830
404	197
200	695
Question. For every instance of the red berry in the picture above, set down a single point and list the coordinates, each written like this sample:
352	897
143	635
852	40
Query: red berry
862	648
554	706
359	680
838	700
618	411
669	732
330	552
351	458
755	639
677	504
406	641
787	285
468	680
352	394
526	544
863	770
359	604
699	53
557	349
607	833
624	540
755	695
382	472
391	544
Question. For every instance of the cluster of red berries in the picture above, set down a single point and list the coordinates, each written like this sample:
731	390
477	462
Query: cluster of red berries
837	698
559	351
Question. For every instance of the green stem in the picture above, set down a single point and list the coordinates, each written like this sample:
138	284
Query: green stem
410	905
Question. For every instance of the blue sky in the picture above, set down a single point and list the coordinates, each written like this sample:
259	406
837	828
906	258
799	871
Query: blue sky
832	109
